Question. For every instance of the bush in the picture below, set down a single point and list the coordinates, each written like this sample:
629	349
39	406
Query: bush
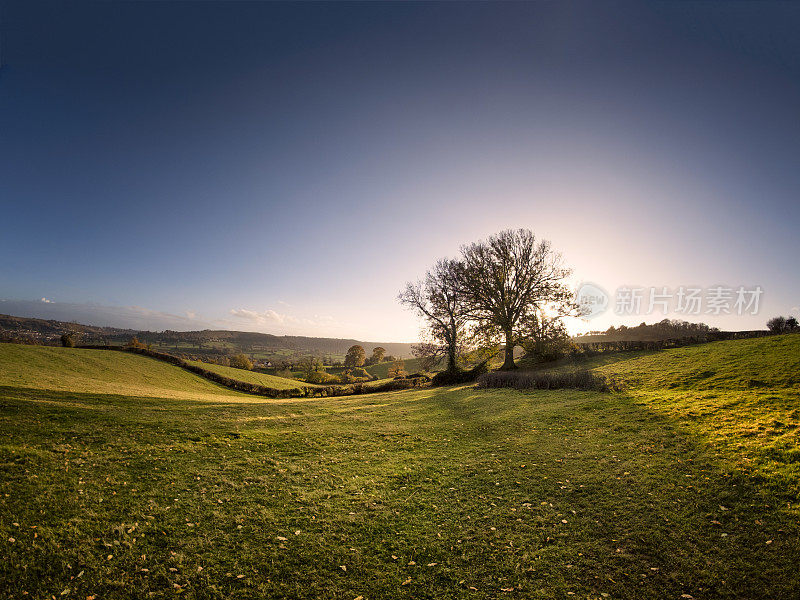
456	377
546	380
135	343
397	369
240	361
349	376
321	377
360	373
68	339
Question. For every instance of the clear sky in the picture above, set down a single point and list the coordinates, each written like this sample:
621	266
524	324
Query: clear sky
287	167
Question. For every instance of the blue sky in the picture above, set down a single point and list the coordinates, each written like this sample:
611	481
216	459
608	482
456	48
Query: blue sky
287	167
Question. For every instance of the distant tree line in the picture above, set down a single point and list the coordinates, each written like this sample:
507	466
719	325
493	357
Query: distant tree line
663	330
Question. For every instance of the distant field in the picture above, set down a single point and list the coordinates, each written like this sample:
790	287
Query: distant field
273	381
381	370
685	485
102	372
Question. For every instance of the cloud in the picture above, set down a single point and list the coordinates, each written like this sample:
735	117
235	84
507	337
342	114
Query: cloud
46	301
284	321
268	316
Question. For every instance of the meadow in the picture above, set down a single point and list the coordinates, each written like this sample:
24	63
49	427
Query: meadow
125	477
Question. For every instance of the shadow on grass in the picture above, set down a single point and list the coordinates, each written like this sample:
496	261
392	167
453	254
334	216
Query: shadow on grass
543	492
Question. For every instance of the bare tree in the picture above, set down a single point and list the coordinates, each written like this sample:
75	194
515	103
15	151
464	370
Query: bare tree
440	301
507	279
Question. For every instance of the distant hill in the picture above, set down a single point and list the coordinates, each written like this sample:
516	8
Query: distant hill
204	344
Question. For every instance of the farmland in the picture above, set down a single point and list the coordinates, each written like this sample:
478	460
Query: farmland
123	476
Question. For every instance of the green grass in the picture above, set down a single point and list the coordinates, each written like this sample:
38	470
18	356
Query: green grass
102	372
743	396
381	370
433	493
273	381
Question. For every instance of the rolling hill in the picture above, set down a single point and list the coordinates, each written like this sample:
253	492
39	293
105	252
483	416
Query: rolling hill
272	381
82	371
206	343
121	476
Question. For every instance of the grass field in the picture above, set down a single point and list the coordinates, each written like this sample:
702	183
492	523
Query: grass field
685	485
381	370
102	372
273	381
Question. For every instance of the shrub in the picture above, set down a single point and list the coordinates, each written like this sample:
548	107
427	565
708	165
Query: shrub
360	373
777	324
135	343
397	369
456	377
68	339
240	361
547	380
321	377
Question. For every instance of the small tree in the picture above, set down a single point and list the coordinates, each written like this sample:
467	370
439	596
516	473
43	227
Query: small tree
310	365
378	354
397	369
69	339
777	324
355	356
545	338
791	324
240	361
135	343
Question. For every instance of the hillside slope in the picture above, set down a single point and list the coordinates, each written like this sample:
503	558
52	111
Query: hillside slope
273	381
102	372
741	397
768	362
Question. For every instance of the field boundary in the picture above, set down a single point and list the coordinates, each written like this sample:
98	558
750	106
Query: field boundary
263	390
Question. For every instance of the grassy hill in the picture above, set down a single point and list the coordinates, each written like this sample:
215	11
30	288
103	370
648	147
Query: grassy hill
741	396
381	370
273	381
102	372
666	490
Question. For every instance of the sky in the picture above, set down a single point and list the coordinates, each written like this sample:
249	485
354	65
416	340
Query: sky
286	168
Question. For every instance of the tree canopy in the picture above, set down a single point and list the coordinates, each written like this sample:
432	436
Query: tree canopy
510	288
355	356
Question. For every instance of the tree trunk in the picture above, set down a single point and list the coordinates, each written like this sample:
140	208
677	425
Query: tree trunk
451	358
509	364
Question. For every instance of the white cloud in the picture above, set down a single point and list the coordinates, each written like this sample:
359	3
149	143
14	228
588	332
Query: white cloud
286	321
268	316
